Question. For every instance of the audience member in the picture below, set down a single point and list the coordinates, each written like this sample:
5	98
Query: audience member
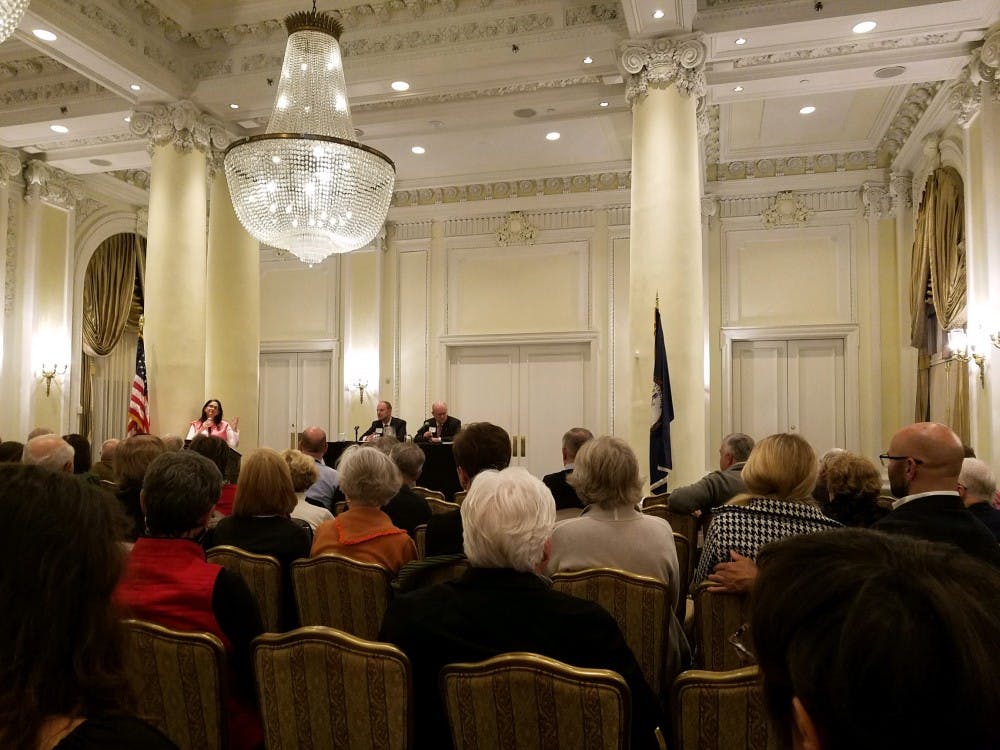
853	484
779	476
104	469
407	509
714	489
385	424
820	493
81	452
50	452
562	491
478	446
977	486
38	431
304	472
924	461
168	581
216	450
867	641
363	532
62	675
11	452
385	443
501	604
132	457
312	442
174	443
440	428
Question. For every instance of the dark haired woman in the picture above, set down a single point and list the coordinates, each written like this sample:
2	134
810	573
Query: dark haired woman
212	424
62	681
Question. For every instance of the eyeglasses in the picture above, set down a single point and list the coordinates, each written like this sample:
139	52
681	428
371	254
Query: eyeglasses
885	458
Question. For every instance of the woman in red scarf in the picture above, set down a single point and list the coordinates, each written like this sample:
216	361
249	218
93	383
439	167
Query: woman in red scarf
212	424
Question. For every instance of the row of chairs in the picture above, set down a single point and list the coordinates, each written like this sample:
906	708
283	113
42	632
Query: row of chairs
322	688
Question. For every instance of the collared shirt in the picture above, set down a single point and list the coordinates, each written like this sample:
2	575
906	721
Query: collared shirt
325	487
904	500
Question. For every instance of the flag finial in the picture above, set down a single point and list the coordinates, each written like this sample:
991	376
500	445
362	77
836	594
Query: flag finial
657	300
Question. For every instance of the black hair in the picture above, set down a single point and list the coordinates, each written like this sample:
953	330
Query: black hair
218	417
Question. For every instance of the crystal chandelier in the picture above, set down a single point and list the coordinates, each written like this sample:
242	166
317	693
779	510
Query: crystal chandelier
305	185
10	16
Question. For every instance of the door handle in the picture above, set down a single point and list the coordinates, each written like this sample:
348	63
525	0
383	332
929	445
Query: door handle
291	440
522	447
513	447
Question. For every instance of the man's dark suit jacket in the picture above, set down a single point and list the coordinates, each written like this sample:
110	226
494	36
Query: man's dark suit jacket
989	515
444	534
561	490
447	432
407	510
490	611
399	425
942	518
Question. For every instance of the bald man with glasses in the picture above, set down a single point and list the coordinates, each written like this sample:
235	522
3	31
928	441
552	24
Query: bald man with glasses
923	462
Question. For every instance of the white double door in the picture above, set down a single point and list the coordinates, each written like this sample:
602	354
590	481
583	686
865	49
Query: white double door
296	392
534	391
795	385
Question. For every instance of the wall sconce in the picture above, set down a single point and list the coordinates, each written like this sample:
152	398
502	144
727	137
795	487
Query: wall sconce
51	372
361	385
964	350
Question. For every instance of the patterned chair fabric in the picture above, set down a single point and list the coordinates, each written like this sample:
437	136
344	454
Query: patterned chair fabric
523	700
682	523
721	711
717	618
441	506
323	688
338	592
179	682
429	571
428	493
262	574
420	539
642	608
684	561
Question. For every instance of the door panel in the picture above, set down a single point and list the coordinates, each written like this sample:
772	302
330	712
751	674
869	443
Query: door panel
483	385
315	384
554	391
816	392
278	373
760	406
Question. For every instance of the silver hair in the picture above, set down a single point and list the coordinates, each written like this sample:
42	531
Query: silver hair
48	451
507	518
978	480
368	476
738	445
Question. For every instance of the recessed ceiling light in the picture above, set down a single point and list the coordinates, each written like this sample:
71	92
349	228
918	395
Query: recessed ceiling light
658	14
605	104
400	86
553	136
864	27
588	60
58	128
738	89
234	106
807	110
418	150
45	35
741	41
135	87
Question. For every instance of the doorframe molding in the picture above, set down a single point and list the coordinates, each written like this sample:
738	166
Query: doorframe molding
517	339
302	346
851	338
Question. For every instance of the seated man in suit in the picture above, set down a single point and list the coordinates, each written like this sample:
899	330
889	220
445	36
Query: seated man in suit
501	604
565	496
386	424
440	428
977	486
712	490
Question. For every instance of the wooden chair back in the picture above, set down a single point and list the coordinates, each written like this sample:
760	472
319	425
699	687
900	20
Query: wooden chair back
721	711
427	493
717	618
430	571
684	562
524	700
420	539
323	688
459	496
682	523
179	681
338	592
441	506
262	574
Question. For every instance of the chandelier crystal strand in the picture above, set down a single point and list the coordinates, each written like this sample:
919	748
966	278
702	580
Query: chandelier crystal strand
306	186
10	16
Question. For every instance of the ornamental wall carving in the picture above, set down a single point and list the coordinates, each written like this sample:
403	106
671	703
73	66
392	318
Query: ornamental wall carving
181	124
52	185
852	48
516	229
663	62
10	167
794	165
815	201
787	209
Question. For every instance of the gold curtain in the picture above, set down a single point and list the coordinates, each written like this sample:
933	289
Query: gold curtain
107	293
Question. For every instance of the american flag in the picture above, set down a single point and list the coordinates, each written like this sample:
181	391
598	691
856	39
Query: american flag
138	400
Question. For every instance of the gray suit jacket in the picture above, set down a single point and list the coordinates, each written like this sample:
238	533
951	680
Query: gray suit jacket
711	491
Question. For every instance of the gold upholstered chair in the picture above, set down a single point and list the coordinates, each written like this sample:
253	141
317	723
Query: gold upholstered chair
717	618
427	493
429	571
441	506
459	496
262	574
179	682
682	523
338	592
420	539
643	610
684	562
520	700
323	688
721	711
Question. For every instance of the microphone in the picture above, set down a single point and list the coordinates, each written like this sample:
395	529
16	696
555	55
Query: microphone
356	428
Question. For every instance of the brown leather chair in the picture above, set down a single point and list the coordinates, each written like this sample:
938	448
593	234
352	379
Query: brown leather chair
338	592
717	619
721	711
262	574
323	688
179	682
524	700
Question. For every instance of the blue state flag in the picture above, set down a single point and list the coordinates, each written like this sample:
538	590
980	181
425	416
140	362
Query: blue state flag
660	455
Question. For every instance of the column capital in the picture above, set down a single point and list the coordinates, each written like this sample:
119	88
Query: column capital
901	191
877	201
989	61
10	166
180	124
52	185
142	221
661	62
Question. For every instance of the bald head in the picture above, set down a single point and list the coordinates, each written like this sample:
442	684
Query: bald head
108	448
50	452
928	458
312	441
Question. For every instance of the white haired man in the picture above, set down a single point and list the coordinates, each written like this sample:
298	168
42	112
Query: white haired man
440	428
50	452
502	604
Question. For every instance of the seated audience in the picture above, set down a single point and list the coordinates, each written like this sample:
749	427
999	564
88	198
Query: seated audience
820	493
39	431
977	486
63	683
853	484
132	457
557	482
173	443
501	604
407	509
363	532
440	428
168	581
867	641
779	475
216	450
50	452
714	489
478	446
104	469
11	452
81	453
312	442
304	473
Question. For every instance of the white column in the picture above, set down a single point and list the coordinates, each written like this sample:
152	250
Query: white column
11	190
665	257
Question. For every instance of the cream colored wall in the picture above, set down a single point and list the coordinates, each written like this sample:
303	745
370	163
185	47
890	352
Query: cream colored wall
298	303
360	295
891	343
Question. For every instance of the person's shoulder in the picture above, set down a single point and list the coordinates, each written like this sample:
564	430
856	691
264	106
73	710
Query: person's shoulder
116	732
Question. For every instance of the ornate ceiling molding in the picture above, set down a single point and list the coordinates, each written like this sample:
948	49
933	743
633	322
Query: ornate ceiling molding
661	63
31	66
793	165
10	167
851	48
787	209
876	200
52	185
135	177
113	26
180	124
901	190
917	100
989	62
606	181
64	91
965	97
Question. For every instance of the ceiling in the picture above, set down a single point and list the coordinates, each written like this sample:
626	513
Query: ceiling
490	78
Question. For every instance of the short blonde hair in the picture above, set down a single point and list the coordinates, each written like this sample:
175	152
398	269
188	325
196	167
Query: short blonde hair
303	469
368	476
783	467
606	472
265	486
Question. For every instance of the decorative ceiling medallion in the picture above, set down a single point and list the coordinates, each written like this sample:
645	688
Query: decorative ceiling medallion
516	230
787	210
